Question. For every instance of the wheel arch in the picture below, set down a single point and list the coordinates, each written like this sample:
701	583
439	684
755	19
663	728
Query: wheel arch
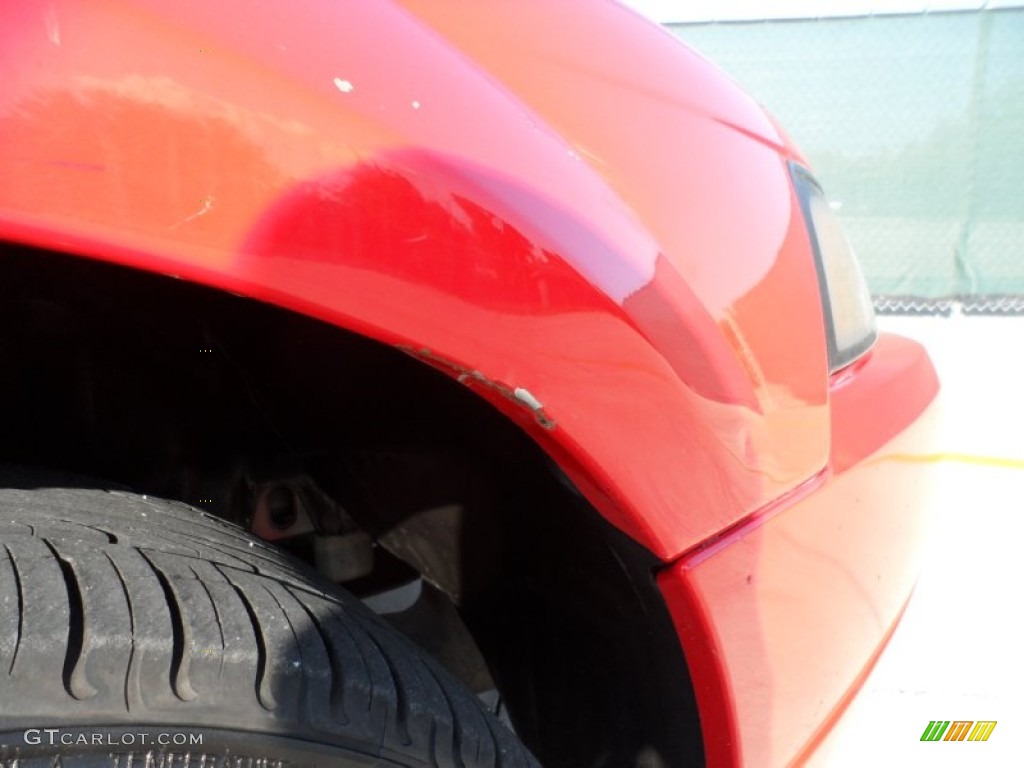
175	388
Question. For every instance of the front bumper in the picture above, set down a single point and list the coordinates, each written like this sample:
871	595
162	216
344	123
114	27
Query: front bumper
782	618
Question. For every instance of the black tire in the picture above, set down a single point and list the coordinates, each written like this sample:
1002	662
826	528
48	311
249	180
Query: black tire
125	615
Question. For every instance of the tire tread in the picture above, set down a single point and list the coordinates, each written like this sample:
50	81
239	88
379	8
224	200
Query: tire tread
164	613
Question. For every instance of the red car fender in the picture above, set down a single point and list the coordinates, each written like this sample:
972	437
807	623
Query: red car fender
644	305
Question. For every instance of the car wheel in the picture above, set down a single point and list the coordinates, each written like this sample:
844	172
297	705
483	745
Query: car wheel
139	631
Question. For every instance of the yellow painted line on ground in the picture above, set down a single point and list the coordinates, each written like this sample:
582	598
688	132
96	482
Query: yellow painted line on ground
959	458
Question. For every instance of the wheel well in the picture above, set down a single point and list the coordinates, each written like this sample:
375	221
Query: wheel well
189	393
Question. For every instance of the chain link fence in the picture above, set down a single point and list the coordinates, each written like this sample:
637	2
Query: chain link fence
914	125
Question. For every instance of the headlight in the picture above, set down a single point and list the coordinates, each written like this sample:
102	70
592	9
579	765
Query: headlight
849	316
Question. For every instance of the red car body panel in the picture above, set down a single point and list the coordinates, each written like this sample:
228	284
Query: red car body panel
242	154
554	203
783	617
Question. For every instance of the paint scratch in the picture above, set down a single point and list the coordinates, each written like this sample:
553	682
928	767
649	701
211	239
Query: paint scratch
207	205
52	26
474	378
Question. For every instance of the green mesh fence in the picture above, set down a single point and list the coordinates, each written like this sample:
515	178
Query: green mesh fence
915	126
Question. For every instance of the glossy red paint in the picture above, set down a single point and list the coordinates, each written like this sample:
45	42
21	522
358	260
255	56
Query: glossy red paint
519	225
782	617
593	229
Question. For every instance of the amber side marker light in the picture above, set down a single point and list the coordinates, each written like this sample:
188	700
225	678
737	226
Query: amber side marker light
849	314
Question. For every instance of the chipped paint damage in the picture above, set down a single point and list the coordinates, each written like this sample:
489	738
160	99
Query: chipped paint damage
519	395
